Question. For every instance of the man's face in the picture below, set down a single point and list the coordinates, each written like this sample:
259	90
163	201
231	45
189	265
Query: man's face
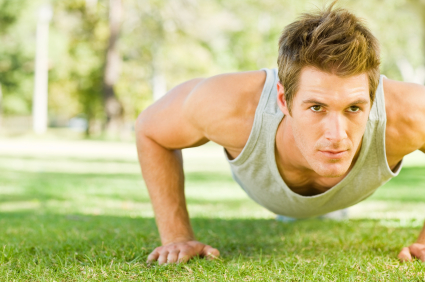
328	120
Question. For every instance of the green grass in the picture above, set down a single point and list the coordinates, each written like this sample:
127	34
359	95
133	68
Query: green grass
409	186
45	247
66	225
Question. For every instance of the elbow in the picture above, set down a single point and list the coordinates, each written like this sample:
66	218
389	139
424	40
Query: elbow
141	126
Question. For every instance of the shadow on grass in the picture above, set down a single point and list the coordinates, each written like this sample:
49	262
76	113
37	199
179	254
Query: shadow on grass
42	186
408	186
85	239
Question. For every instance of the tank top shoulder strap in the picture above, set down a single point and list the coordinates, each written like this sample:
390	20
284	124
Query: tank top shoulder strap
270	93
377	113
378	116
266	103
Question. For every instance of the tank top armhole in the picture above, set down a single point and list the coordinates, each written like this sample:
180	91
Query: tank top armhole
258	119
381	139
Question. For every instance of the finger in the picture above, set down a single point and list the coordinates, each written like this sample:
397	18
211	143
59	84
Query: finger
184	257
418	250
163	257
172	256
153	256
210	253
405	255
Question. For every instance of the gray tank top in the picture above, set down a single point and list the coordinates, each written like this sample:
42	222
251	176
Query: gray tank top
255	169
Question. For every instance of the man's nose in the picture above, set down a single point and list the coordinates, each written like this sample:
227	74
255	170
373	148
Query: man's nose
335	127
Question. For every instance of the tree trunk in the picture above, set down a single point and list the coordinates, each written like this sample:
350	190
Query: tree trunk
113	108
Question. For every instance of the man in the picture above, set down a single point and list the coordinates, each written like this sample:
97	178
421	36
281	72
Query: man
320	134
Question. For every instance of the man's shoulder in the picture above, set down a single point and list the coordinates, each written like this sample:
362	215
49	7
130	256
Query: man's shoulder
230	87
405	111
223	106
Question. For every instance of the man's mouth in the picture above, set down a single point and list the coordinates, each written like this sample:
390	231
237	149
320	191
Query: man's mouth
334	154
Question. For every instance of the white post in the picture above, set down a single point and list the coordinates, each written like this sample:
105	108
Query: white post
1	107
159	86
39	109
409	73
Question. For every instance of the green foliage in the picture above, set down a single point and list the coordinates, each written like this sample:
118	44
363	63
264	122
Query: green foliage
177	39
16	68
9	13
86	35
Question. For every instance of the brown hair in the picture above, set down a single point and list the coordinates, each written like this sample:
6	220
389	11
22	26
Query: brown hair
332	40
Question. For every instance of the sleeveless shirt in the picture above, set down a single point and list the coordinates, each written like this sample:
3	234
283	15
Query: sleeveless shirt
255	169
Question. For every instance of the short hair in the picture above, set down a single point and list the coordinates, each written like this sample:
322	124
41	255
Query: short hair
331	40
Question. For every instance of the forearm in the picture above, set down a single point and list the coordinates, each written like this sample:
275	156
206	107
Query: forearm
421	238
162	171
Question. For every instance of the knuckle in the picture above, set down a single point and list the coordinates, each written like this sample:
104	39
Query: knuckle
172	259
186	251
174	247
163	252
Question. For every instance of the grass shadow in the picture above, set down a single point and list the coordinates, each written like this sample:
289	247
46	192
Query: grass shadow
108	237
80	247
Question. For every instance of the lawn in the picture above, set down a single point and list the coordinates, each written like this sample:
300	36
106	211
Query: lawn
79	217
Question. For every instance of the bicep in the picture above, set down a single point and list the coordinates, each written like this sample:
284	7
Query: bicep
166	123
406	115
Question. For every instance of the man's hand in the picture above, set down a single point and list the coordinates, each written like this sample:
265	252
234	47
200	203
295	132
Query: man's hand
416	250
182	252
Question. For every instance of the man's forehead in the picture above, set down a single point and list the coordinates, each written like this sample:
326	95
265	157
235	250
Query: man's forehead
314	82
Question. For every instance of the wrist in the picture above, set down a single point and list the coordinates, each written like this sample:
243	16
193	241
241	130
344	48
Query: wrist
421	238
177	239
422	242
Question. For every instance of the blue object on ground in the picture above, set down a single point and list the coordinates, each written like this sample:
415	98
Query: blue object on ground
335	215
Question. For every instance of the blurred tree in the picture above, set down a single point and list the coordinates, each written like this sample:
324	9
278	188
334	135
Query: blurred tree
92	30
87	35
165	42
9	13
415	72
16	66
113	107
398	29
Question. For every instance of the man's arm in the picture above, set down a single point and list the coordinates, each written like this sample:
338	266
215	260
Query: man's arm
220	109
161	131
405	134
415	250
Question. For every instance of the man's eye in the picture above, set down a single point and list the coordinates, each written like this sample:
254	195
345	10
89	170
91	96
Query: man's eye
316	108
353	109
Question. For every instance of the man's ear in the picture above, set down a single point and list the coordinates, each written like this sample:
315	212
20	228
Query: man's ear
281	101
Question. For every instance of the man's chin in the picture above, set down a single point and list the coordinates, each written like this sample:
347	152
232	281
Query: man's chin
332	170
332	175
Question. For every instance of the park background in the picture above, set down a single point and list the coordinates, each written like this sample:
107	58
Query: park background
73	204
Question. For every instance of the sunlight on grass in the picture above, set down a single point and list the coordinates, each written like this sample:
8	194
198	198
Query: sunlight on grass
19	206
107	183
82	216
